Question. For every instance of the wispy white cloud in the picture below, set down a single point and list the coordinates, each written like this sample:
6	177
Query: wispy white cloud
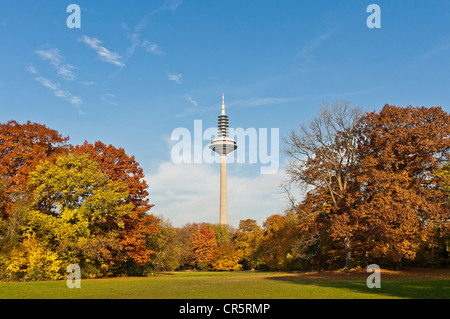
306	55
152	48
316	42
88	83
47	83
190	110
263	101
177	78
32	69
249	102
191	100
268	101
442	46
168	5
186	112
64	70
104	54
171	5
134	35
135	41
75	100
55	59
58	92
51	55
109	98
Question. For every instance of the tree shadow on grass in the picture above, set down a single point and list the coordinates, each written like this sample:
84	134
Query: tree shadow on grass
414	289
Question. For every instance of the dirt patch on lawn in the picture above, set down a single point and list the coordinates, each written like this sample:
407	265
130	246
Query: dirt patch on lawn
361	274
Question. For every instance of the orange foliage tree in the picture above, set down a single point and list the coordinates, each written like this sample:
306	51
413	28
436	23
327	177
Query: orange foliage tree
312	243
203	244
22	147
401	203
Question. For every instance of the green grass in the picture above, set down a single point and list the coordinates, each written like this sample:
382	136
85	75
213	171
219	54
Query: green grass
227	285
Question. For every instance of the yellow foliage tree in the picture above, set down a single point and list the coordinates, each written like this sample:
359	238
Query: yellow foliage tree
226	257
248	240
32	261
77	210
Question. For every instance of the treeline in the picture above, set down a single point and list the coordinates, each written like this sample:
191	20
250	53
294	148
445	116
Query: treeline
376	190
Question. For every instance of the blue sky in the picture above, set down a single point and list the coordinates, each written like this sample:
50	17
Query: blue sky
137	70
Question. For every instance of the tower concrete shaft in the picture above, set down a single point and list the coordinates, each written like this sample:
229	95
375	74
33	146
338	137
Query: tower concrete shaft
223	190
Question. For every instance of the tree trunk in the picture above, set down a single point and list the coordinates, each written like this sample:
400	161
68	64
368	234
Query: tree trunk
348	254
398	265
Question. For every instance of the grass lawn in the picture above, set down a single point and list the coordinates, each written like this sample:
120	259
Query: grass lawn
244	285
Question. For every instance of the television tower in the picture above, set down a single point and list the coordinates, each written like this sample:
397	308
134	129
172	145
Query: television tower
223	145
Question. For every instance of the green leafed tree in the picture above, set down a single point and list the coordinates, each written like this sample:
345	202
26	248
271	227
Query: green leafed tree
164	243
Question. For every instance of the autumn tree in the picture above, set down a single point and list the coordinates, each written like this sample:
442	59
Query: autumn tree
3	190
139	225
203	245
22	147
323	158
31	260
277	239
12	227
77	210
444	174
401	203
184	243
223	233
442	235
165	243
312	245
248	239
225	257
